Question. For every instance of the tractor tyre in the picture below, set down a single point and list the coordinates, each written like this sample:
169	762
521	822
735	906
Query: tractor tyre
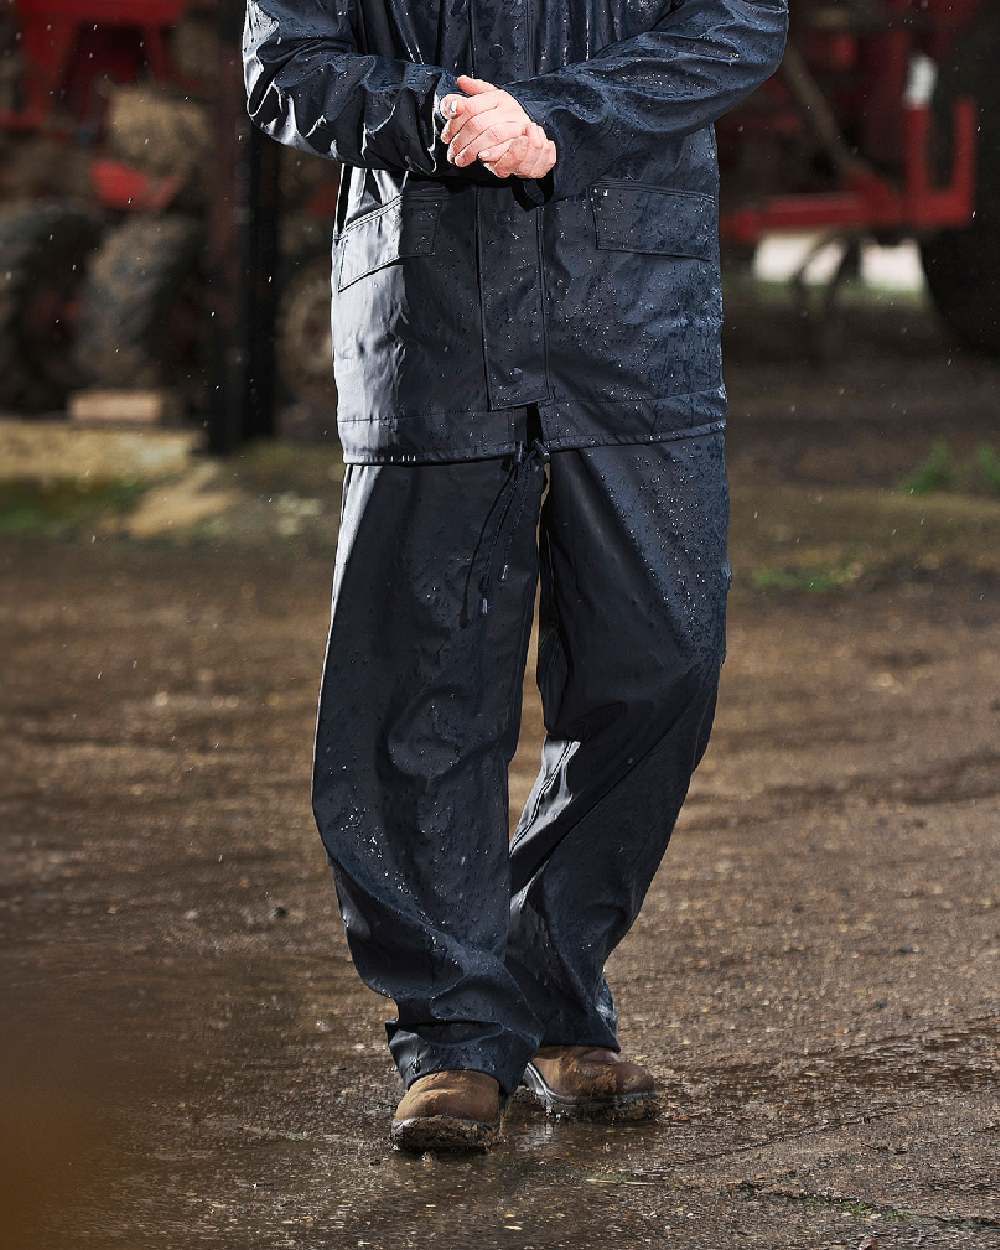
962	266
155	131
141	321
303	336
43	253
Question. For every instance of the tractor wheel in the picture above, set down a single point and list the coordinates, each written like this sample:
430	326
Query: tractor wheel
963	266
141	320
303	338
153	130
43	253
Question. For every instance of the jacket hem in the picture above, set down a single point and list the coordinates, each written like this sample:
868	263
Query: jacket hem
437	438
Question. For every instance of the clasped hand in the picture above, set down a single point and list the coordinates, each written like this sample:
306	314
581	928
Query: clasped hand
489	125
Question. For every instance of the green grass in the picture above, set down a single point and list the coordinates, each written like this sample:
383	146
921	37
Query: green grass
64	506
942	470
797	540
988	463
937	472
818	580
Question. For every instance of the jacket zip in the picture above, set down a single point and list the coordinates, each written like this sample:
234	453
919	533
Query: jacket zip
477	224
543	299
530	69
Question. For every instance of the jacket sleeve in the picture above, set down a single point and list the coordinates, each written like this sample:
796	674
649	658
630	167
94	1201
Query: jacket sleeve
309	87
702	58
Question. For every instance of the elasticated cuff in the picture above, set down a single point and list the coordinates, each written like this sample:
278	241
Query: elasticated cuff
420	1050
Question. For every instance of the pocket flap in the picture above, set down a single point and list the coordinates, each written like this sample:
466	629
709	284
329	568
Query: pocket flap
634	218
402	228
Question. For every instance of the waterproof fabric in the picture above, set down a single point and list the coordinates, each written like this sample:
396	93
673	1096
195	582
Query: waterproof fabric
490	951
458	297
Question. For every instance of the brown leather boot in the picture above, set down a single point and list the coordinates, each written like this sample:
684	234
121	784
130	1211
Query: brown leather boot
590	1083
449	1111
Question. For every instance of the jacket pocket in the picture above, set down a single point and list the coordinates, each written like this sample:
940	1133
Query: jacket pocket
405	227
632	217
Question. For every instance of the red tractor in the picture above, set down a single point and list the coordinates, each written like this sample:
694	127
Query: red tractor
107	130
883	124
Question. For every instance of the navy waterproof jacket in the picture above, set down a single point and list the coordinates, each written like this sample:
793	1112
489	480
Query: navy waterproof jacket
459	297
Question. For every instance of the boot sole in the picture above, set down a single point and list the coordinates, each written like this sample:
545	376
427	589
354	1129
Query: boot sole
638	1106
443	1132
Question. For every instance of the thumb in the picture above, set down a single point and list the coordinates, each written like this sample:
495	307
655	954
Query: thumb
474	86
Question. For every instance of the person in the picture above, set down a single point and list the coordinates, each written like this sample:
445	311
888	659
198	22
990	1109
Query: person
526	312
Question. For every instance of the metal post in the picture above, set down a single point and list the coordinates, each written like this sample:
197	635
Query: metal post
243	254
264	201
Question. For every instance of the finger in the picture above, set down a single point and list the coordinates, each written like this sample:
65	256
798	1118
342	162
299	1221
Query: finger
472	106
534	147
492	125
463	152
497	167
508	159
542	163
515	163
453	104
539	165
449	104
495	151
517	158
540	159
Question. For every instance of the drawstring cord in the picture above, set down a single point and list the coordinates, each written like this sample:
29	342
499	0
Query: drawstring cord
516	488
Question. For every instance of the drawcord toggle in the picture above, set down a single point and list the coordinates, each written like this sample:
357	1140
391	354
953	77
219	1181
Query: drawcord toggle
516	486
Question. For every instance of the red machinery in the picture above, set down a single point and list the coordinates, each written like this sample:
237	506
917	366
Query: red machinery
66	193
884	122
71	45
854	90
109	129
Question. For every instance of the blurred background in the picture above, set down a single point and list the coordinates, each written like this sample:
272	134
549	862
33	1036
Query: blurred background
188	1056
151	241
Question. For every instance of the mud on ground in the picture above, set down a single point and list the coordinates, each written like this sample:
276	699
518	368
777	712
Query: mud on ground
813	979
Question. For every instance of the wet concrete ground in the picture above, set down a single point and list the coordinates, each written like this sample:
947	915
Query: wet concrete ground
189	1059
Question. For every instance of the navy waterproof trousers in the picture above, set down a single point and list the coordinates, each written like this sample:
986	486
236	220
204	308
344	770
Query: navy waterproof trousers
488	949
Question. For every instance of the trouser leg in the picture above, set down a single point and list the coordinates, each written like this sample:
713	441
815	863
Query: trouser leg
634	578
418	721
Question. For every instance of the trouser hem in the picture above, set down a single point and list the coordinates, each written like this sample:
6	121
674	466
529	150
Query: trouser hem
565	1023
503	1058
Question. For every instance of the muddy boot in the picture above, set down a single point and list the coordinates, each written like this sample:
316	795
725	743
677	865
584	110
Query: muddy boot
449	1111
590	1083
